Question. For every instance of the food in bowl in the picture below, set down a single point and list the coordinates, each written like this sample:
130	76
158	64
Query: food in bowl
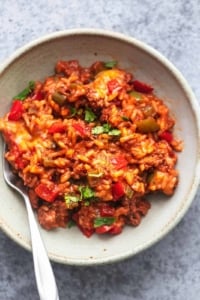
90	144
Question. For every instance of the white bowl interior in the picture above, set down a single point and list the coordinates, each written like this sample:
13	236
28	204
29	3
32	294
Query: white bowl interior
37	62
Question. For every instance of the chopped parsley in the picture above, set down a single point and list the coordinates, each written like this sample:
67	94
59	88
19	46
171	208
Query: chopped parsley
106	128
100	221
110	64
86	192
73	111
23	94
114	132
98	130
70	199
89	115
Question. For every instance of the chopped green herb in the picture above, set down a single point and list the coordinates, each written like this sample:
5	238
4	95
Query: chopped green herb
86	192
98	130
100	221
106	128
87	203
114	132
23	94
73	111
69	199
89	115
110	64
125	118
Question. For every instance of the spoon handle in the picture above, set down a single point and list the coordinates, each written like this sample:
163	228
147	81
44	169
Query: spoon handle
45	279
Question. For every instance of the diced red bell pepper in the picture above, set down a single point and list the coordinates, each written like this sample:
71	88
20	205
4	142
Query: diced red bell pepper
112	229
142	87
21	163
113	86
16	111
167	136
79	128
115	229
118	190
46	193
119	162
38	96
107	211
103	229
86	231
57	127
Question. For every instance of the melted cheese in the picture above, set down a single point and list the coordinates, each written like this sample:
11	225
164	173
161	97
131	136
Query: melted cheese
100	84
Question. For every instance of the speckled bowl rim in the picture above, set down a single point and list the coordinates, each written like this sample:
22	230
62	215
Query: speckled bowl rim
194	105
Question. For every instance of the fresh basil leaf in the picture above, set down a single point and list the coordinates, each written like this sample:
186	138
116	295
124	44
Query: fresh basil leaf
100	221
86	192
23	94
110	64
89	115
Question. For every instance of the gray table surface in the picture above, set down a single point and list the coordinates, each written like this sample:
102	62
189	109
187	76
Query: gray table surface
171	268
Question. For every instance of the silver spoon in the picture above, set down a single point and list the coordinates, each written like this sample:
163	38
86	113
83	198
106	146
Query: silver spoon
45	279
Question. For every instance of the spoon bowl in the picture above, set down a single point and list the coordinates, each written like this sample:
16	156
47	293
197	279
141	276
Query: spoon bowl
45	279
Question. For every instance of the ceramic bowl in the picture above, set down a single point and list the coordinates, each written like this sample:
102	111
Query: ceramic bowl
36	61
